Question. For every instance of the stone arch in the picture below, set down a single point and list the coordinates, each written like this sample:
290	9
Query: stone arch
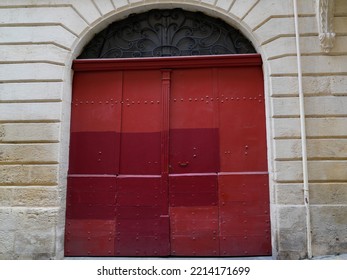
119	14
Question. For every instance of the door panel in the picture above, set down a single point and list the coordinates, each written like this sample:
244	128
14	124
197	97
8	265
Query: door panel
142	230
141	123
194	231
96	121
242	120
193	127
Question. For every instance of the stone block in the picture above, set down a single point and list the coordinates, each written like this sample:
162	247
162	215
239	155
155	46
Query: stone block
120	3
47	111
286	128
19	53
314	106
283	86
29	153
240	8
6	244
316	149
325	127
31	92
7	219
266	9
281	27
283	46
329	227
28	174
288	171
340	7
86	9
32	35
210	2
35	197
289	194
24	72
292	240
6	196
340	24
285	107
328	193
29	132
35	235
104	6
65	16
224	4
325	171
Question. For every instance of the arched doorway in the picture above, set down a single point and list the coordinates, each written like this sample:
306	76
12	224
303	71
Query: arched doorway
168	154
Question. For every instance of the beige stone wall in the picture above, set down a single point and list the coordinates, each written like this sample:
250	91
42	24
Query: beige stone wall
39	39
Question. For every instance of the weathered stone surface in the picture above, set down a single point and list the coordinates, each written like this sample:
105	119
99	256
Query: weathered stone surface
316	149
7	238
30	132
35	197
31	92
28	174
29	153
33	35
23	72
328	193
62	15
30	111
35	234
292	232
289	194
329	227
322	171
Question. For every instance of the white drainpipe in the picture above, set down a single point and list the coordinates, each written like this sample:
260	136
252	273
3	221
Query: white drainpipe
303	135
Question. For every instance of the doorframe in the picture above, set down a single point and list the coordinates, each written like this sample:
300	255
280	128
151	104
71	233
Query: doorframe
176	62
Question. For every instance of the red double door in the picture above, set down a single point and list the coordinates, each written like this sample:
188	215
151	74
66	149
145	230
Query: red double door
168	157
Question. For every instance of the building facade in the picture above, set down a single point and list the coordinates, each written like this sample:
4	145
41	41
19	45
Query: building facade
303	48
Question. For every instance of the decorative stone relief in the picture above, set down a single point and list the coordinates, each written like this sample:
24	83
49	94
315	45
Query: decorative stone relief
325	16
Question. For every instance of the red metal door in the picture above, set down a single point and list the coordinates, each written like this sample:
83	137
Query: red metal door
94	146
169	159
142	227
194	163
243	179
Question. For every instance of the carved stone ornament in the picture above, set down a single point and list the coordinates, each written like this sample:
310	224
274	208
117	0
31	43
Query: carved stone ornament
325	15
159	33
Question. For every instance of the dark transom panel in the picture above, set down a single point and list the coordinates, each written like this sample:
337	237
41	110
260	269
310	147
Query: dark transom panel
160	33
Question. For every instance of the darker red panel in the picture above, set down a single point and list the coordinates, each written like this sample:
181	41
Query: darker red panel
245	245
135	213
193	190
194	150
143	227
91	198
194	220
139	191
195	245
135	245
140	153
89	237
94	153
193	199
